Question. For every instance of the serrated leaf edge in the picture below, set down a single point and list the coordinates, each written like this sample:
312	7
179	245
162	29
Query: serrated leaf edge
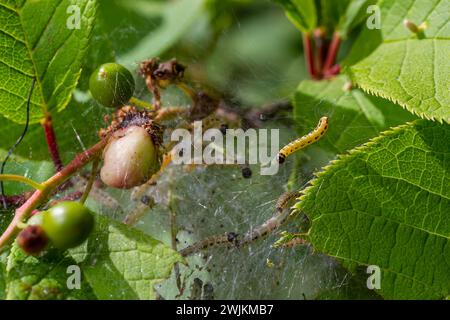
344	157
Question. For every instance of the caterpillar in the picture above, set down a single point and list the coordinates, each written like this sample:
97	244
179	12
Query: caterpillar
304	141
283	211
228	238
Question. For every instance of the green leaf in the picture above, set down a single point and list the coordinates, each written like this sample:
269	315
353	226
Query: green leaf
38	171
43	278
115	37
123	263
387	204
302	13
74	133
36	43
408	69
354	116
331	13
355	14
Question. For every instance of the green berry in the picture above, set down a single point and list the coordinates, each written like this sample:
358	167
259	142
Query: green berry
36	219
130	158
112	85
67	224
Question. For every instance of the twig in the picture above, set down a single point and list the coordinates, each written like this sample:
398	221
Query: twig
191	93
91	180
50	185
50	137
25	180
140	103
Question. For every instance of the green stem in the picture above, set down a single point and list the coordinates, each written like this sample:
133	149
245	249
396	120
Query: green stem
90	183
187	90
141	103
13	177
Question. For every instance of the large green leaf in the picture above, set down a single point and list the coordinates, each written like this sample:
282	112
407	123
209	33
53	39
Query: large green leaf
387	204
302	13
73	132
117	262
43	278
354	14
38	171
354	116
37	43
178	16
406	68
123	263
3	260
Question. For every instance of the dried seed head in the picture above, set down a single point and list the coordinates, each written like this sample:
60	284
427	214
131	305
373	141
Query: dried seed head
128	116
33	239
162	73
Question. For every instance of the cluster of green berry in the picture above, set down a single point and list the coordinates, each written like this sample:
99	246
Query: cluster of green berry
63	226
129	159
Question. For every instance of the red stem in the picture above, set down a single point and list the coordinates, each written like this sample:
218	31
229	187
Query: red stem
320	42
50	137
332	51
333	71
309	55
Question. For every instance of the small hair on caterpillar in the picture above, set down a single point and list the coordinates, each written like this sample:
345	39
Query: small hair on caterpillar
285	198
304	141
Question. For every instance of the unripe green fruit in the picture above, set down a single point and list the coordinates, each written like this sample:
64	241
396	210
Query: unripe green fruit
130	158
112	85
67	224
36	219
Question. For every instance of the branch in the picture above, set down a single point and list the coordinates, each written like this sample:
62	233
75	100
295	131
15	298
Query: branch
49	186
50	137
25	180
91	180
